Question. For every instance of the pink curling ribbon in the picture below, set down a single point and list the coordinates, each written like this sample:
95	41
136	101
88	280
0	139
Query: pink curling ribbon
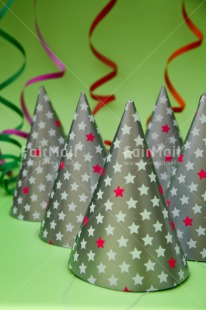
6	168
43	77
16	132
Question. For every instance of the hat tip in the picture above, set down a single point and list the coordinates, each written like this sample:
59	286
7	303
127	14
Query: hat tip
42	89
163	89
203	98
129	103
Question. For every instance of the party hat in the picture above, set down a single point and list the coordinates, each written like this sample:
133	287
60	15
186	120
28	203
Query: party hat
40	162
127	241
163	138
79	171
186	195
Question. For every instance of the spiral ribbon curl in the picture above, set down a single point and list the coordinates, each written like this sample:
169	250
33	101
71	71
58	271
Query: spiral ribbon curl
179	52
7	180
6	168
102	100
43	77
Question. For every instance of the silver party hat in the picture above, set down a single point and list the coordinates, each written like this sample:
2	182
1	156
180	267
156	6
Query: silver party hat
128	242
40	162
79	171
186	195
163	138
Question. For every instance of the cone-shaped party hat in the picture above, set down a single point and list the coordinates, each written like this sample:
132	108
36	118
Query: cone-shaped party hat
163	138
127	242
186	195
79	171
40	162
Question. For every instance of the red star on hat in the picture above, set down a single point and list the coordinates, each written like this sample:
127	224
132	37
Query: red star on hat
119	191
97	169
102	171
25	190
126	289
172	224
168	202
202	174
180	158
172	263
100	243
85	220
160	189
61	166
58	123
168	158
165	128
90	137
188	221
148	153
37	152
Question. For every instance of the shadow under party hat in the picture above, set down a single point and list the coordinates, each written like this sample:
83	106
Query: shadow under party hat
186	195
79	171
128	242
163	138
40	162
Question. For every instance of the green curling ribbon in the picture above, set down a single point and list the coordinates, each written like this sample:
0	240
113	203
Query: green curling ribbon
7	180
14	76
9	163
5	8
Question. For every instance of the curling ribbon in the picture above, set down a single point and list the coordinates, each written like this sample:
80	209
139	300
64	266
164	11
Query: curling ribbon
179	52
12	78
102	99
6	168
43	77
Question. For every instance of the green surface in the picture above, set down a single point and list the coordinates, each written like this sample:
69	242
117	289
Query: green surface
140	36
35	275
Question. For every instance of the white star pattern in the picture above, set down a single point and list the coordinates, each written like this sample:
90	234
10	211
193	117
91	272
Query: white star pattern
187	206
127	225
126	129
129	178
131	203
163	138
75	182
143	190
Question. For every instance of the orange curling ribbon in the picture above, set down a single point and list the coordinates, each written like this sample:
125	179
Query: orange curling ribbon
102	99
108	142
179	52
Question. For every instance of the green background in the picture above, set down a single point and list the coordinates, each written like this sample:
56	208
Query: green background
139	36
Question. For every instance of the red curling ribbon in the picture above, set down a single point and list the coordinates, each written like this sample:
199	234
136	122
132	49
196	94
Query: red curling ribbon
179	52
43	77
108	142
102	99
